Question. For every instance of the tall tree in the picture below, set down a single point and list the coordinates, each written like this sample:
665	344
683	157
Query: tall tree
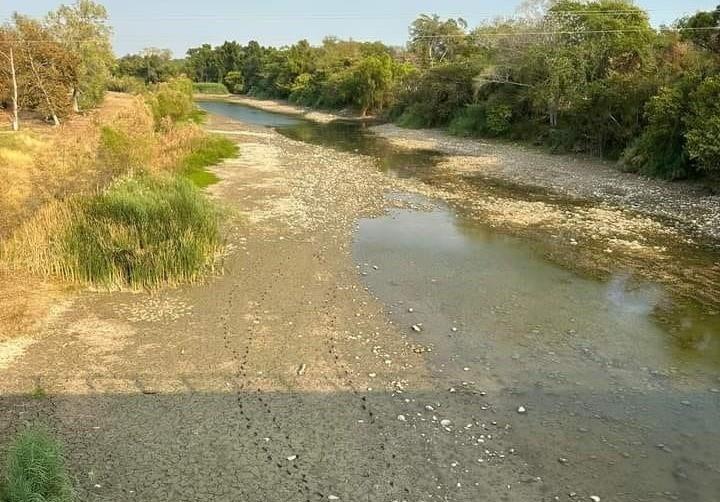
82	28
435	40
49	68
9	71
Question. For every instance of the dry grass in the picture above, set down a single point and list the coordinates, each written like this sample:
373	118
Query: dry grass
42	166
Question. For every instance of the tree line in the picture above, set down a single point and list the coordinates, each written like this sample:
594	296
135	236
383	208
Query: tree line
575	76
55	65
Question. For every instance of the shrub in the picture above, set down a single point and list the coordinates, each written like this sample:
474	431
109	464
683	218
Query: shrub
660	149
126	84
173	102
35	470
142	232
437	96
235	82
210	88
206	151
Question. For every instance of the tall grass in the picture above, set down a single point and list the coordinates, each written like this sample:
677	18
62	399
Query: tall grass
142	232
35	470
206	151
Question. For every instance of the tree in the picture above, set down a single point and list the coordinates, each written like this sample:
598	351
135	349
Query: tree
49	69
434	41
152	65
703	29
234	81
372	81
82	28
9	70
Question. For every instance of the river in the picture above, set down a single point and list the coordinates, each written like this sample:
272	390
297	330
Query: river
614	397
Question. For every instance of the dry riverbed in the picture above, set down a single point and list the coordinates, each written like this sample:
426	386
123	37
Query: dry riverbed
282	378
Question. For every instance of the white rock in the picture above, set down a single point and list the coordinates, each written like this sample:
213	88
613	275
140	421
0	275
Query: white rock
333	497
291	458
445	422
521	410
594	498
401	418
416	328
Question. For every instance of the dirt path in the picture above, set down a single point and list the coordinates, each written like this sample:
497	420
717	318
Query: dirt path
281	379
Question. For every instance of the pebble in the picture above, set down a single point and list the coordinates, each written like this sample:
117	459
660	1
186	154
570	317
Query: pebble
291	458
401	418
333	497
453	329
411	310
416	328
445	422
594	498
685	403
563	460
521	410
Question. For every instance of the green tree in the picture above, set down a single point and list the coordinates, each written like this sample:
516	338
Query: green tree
82	28
234	81
434	40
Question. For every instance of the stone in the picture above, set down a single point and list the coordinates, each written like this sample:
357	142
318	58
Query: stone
445	422
401	418
521	410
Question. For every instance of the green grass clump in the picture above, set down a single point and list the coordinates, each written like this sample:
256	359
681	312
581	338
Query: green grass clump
207	152
210	88
35	470
142	232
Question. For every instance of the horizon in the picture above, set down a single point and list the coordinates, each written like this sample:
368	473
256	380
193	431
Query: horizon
177	25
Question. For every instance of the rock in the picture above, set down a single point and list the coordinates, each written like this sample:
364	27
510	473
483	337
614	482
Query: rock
453	329
333	497
685	403
521	410
416	328
411	310
301	370
291	458
401	418
445	422
594	498
563	460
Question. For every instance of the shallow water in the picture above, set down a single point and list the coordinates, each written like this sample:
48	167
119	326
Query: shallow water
617	377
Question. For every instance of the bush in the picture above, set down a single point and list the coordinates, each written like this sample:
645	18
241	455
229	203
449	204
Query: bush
437	96
482	120
126	84
142	232
660	149
235	82
210	88
206	151
173	101
35	470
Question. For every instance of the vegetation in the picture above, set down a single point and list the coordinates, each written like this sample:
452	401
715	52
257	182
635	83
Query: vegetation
35	470
574	75
206	151
210	88
55	65
141	232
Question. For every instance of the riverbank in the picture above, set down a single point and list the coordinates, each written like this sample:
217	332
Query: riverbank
286	108
690	207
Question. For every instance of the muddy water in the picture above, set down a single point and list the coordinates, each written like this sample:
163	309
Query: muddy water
620	402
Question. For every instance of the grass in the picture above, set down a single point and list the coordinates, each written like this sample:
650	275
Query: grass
142	232
210	88
38	394
35	470
206	152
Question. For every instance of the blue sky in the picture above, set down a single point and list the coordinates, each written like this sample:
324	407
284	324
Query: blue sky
179	24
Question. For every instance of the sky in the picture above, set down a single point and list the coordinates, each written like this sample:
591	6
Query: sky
180	24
